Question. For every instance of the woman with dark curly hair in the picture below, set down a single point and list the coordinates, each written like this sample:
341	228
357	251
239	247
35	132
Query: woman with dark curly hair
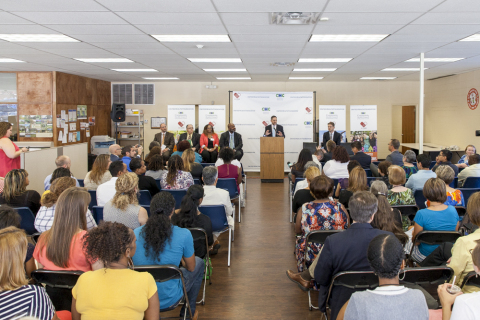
227	169
115	291
337	167
209	143
155	168
159	243
176	178
156	150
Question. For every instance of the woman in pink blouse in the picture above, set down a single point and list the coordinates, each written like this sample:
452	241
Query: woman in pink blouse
227	169
9	152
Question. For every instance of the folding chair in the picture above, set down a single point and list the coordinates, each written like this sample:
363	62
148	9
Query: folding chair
471	182
93	199
197	181
144	197
230	185
199	234
461	211
454	183
293	185
434	238
157	181
467	192
207	164
27	220
177	195
407	210
80	182
166	273
428	278
370	181
316	237
420	199
244	178
368	172
471	279
59	285
97	213
219	222
432	164
146	208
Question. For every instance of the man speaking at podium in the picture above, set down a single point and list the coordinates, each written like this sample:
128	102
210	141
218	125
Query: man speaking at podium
274	130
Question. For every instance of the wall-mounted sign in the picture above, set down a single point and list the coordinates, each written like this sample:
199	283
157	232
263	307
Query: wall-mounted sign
472	99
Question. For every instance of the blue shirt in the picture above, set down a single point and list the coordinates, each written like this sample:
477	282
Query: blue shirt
47	184
429	220
417	180
127	160
462	159
180	245
198	158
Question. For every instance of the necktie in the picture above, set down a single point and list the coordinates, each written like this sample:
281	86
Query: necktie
331	136
189	139
232	143
274	132
163	138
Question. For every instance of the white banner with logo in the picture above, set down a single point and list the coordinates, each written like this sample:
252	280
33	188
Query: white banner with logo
178	118
363	128
336	114
213	115
252	112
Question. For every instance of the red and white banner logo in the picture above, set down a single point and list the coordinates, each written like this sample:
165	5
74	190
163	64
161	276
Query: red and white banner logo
236	95
181	124
472	99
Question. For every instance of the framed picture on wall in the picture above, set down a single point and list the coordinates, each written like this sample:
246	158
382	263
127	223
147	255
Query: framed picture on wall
157	121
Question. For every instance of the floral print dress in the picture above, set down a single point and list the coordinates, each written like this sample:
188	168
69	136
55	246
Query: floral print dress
183	180
318	216
409	171
400	198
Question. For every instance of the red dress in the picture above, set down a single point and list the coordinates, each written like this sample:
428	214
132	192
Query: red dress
228	171
7	164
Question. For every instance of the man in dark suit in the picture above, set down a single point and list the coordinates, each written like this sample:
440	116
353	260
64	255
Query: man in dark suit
344	251
331	134
192	137
233	140
166	139
274	129
362	158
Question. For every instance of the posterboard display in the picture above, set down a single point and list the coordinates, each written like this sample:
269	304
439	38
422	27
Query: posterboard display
332	113
213	115
178	118
252	112
363	126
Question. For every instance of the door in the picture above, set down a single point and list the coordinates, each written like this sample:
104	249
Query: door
408	126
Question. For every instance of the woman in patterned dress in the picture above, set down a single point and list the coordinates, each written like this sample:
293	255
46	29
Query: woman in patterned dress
175	178
408	159
398	195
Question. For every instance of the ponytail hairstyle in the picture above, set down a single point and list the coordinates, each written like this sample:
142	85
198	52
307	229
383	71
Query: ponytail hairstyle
175	164
158	229
189	207
58	186
126	186
188	158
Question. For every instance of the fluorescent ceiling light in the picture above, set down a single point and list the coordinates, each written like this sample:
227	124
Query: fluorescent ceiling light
378	78
9	60
225	70
215	60
171	78
192	37
235	78
37	38
135	70
315	69
348	37
93	60
325	60
403	69
473	37
305	78
435	59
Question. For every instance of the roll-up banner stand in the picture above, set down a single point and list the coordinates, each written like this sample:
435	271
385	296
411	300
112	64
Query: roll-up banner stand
336	114
213	115
363	128
178	118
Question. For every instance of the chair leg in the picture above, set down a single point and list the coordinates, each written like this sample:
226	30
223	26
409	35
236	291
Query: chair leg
290	198
229	244
204	283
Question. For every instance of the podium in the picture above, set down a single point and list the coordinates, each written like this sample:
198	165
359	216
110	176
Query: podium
271	159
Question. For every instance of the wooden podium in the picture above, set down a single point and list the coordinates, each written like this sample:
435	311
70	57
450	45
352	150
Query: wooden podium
271	159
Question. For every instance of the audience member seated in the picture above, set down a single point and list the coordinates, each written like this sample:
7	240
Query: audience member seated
351	257
472	170
395	157
185	145
161	243
124	208
298	168
99	173
327	156
156	150
302	184
454	196
320	214
389	300
114	291
144	182
398	195
115	152
188	216
444	159
2	181
61	247
46	214
408	159
17	298
417	180
304	195
364	159
9	151
437	217
465	159
60	162
58	173
175	178
229	170
15	193
106	191
317	157
155	167
219	162
189	164
343	182
337	167
209	143
128	153
357	181
383	172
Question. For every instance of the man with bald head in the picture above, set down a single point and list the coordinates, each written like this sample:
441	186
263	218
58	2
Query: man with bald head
115	152
192	137
60	162
233	140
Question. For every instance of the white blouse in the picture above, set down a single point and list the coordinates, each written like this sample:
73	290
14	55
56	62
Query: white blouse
335	169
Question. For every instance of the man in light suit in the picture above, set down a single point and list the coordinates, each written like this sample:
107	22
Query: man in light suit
331	134
233	140
274	130
192	137
166	139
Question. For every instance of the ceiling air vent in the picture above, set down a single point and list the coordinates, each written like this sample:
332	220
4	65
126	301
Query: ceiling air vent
122	93
441	77
294	17
144	94
282	64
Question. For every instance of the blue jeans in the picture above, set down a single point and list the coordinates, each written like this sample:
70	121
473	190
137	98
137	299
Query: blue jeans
193	283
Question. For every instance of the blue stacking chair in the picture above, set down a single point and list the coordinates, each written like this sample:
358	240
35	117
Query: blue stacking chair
244	177
146	208
28	220
157	181
471	182
80	182
207	164
368	172
370	181
144	198
178	195
230	184
420	199
93	199
376	163
197	181
467	192
432	164
218	217
454	183
97	213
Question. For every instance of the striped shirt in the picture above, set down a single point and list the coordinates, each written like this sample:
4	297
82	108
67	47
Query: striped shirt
44	219
26	301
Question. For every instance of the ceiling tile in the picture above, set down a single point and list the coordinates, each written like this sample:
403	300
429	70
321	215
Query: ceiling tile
71	17
337	47
51	5
449	18
181	29
325	28
8	18
271	29
466	6
375	18
381	5
270	5
171	18
155	5
72	29
92	38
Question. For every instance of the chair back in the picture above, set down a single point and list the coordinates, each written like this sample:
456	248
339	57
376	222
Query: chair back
157	181
407	210
80	182
467	192
471	279
144	197
454	183
146	208
370	181
197	181
319	236
428	275
432	164
368	172
200	235
296	181
28	220
461	211
207	164
217	215
97	213
420	199
177	195
229	184
93	199
472	182
437	237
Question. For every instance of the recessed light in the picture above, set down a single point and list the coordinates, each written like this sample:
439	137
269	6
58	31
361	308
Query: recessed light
9	60
305	78
435	59
225	70
171	78
314	69
402	69
473	37
215	60
324	60
192	37
294	17
235	78
348	37
93	60
378	78
135	70
37	38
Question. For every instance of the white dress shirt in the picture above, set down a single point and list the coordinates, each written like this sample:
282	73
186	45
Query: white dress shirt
106	191
44	219
214	196
220	162
471	171
335	169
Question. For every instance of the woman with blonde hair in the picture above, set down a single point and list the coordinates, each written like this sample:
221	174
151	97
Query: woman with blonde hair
9	152
15	192
399	194
45	216
99	173
17	297
304	195
189	164
469	150
124	208
357	181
